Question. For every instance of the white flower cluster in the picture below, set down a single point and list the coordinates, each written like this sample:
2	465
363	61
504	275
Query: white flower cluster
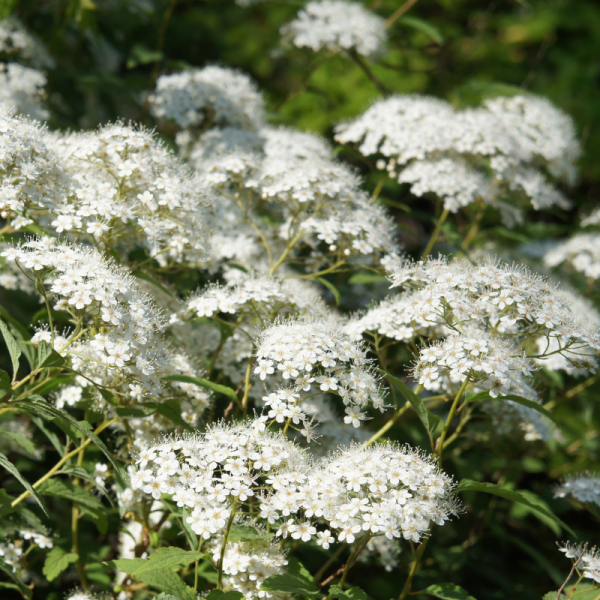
11	553
383	490
584	487
17	44
437	149
589	560
273	296
487	362
313	355
246	565
118	330
210	473
337	25
203	97
581	252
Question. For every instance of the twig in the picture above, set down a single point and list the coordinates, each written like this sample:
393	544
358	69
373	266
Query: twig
400	12
562	587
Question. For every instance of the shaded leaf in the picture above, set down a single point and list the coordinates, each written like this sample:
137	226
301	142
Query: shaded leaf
47	357
245	533
5	385
365	277
141	275
167	581
57	561
4	462
289	584
19	439
165	558
424	27
13	348
448	591
467	485
353	593
126	565
7	569
517	399
221	595
205	383
331	288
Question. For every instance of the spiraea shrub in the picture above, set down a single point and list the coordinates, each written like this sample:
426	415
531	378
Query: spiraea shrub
299	300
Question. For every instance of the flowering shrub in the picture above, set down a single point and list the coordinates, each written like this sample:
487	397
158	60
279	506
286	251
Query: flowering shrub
250	355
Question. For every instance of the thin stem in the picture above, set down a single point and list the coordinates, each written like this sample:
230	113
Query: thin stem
200	542
284	254
353	54
435	234
387	426
413	570
562	587
451	414
61	462
75	526
227	530
400	12
287	425
247	386
329	562
472	230
360	546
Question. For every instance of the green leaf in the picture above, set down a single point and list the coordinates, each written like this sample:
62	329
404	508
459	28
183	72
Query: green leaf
165	558
171	409
163	596
5	503
81	473
5	385
221	595
135	411
47	357
191	536
38	406
353	593
57	561
366	277
141	275
517	399
288	584
54	439
331	288
19	439
585	591
126	565
7	569
4	462
448	591
467	485
142	55
88	503
424	27
205	383
167	581
53	383
428	419
245	533
13	348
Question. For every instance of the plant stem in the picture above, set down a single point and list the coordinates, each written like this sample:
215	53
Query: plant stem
413	570
400	12
329	562
61	462
451	414
75	526
196	565
387	426
360	546
220	565
435	234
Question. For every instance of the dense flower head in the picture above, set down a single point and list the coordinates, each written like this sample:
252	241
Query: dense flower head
22	90
315	355
584	487
118	329
383	490
450	153
337	25
508	300
588	559
210	473
203	97
246	565
581	252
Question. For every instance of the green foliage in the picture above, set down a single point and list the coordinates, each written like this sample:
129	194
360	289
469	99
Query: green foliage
163	558
205	383
57	561
448	591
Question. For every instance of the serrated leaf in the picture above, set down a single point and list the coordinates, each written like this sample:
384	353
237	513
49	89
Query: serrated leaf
126	565
167	558
19	439
448	591
13	348
513	398
353	593
4	462
164	596
81	473
167	581
424	27
467	485
135	411
245	533
48	357
54	439
57	561
205	383
428	419
331	288
221	595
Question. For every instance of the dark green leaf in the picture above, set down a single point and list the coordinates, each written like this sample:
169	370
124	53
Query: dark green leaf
134	411
4	462
245	533
19	439
163	596
428	419
331	288
5	503
7	569
466	485
424	27
448	591
517	399
205	383
366	277
57	561
53	383
142	55
354	593
171	409
47	357
81	473
141	275
5	385
126	565
13	348
191	536
165	558
54	439
289	584
221	595
167	581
